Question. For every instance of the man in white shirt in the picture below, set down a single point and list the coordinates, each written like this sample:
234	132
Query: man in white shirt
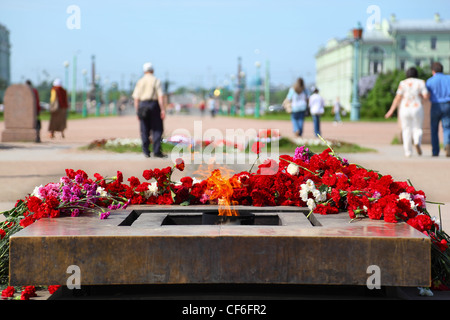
317	108
150	108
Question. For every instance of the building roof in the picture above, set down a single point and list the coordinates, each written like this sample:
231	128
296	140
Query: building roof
377	35
384	32
419	25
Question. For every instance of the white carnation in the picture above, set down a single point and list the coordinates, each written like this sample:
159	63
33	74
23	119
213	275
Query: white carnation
304	193
36	192
319	196
293	169
310	185
152	189
311	204
407	196
404	195
101	191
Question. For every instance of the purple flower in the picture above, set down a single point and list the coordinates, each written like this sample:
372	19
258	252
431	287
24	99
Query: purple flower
75	213
76	191
126	204
114	206
91	190
104	215
376	195
302	153
65	194
65	180
79	178
74	198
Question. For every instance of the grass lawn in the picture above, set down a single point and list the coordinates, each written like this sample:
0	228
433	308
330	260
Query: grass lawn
285	145
326	117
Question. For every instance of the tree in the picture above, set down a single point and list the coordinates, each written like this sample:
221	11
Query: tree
3	85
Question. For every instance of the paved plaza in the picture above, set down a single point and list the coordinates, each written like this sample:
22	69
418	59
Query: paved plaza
26	165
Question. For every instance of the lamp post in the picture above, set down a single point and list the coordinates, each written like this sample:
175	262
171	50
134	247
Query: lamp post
242	95
233	102
84	110
357	36
66	80
74	85
106	91
267	87
258	81
97	96
238	88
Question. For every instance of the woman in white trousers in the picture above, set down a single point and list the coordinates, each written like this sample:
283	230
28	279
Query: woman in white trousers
410	96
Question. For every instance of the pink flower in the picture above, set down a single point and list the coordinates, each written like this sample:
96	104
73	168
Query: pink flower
105	215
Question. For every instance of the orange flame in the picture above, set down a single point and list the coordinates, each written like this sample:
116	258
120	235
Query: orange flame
221	188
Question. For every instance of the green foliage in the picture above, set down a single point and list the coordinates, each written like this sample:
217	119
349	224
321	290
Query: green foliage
44	89
3	85
378	101
278	96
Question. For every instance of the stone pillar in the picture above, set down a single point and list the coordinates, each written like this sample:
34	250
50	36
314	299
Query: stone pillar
19	114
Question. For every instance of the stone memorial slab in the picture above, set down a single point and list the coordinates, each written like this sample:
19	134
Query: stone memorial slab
172	245
19	114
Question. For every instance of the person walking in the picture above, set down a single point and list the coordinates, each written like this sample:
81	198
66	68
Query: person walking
337	107
298	104
58	109
150	109
410	96
202	107
317	108
212	106
439	87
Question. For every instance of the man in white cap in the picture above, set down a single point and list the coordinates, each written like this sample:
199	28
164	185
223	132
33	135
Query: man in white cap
150	108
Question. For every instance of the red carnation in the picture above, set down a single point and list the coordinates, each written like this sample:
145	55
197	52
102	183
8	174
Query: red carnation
148	174
8	292
119	176
142	187
165	199
53	289
187	182
421	222
179	164
33	203
269	167
134	182
2	234
257	146
28	292
442	245
25	222
70	173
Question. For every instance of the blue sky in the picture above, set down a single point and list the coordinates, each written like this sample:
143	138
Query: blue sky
191	43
